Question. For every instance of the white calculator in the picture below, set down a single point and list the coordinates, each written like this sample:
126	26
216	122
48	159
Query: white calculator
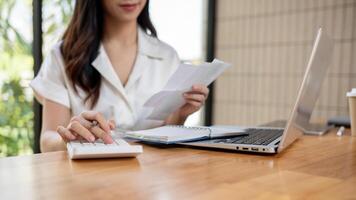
98	149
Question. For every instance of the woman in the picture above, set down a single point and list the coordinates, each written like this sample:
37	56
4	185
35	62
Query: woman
107	65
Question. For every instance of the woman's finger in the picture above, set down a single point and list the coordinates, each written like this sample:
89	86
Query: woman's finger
204	93
87	124
81	130
60	131
195	92
194	103
102	134
96	130
200	88
93	115
112	124
77	136
65	134
195	97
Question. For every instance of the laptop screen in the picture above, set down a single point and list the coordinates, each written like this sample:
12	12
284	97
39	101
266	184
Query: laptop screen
309	91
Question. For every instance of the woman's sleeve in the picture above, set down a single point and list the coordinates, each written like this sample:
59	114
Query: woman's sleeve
49	82
175	62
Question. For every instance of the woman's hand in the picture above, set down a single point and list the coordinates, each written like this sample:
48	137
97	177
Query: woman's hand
89	125
195	99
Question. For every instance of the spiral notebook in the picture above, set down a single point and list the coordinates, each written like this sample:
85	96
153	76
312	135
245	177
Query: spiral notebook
177	134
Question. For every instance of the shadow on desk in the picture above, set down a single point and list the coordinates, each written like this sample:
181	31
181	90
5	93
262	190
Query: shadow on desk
89	165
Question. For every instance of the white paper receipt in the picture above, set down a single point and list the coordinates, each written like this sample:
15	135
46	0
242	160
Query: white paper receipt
163	103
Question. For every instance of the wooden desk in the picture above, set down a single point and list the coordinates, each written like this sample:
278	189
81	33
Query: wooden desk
313	167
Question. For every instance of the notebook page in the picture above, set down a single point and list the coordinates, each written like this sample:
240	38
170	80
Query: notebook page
220	131
170	133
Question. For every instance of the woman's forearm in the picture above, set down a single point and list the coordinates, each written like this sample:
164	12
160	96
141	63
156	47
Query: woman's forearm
51	141
175	119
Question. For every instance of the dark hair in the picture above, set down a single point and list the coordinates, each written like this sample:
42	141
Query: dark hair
81	42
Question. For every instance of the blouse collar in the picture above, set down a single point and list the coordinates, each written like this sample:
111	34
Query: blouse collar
148	47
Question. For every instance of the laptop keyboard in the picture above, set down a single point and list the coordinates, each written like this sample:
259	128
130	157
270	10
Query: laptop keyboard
254	137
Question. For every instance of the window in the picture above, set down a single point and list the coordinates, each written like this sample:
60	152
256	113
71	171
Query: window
56	15
16	63
181	23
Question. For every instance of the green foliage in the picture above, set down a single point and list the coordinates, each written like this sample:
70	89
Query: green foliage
16	120
16	135
16	63
12	41
16	116
55	20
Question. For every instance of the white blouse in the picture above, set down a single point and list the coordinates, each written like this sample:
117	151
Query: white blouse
155	62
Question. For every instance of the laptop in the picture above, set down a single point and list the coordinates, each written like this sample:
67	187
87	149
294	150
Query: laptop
274	139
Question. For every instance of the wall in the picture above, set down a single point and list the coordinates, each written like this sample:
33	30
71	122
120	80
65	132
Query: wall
268	43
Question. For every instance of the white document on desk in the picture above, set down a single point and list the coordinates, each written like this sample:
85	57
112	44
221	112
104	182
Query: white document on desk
163	103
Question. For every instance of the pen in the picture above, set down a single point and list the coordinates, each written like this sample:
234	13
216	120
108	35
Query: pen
94	124
340	131
112	116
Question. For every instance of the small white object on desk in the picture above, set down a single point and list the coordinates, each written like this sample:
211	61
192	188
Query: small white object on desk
352	110
340	132
84	149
